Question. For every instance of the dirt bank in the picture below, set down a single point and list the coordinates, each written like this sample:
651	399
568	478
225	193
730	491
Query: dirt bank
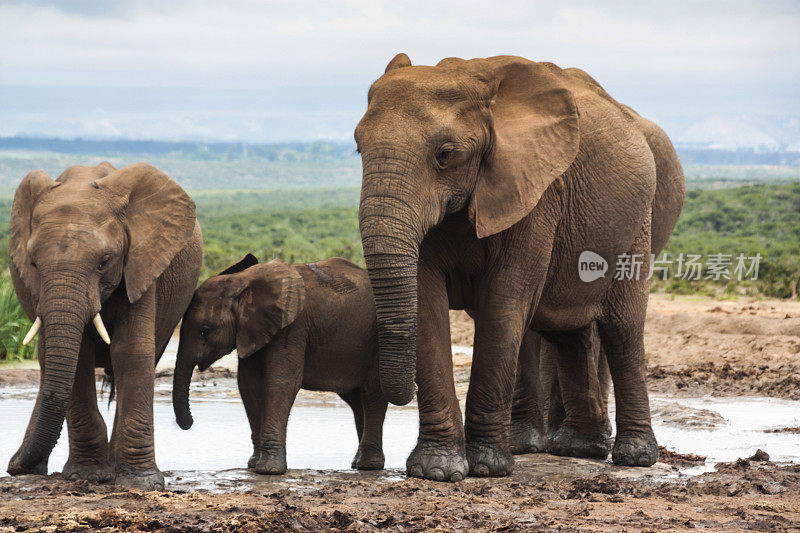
698	346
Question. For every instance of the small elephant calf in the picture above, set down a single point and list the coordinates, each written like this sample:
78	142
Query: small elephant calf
306	326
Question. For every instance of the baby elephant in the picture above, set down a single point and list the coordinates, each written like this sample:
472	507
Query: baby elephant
294	326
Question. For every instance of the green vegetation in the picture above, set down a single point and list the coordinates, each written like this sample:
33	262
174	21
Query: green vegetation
13	325
756	219
295	226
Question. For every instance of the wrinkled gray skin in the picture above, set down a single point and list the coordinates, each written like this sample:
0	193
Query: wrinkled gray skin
483	181
306	326
585	431
124	243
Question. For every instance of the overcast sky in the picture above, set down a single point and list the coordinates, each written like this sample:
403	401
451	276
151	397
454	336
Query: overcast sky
259	44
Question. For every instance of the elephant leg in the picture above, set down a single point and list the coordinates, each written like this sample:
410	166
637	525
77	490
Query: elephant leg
439	454
133	361
353	400
40	468
283	371
555	405
88	437
500	324
527	420
583	432
621	330
250	378
370	446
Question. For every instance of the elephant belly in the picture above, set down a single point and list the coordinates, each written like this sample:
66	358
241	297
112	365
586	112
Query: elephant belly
336	370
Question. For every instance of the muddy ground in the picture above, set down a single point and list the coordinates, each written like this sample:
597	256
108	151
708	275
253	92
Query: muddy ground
695	347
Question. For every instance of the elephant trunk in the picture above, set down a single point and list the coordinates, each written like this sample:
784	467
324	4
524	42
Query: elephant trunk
392	229
65	313
181	380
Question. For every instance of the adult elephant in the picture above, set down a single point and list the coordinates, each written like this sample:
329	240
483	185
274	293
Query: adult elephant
121	249
577	409
483	181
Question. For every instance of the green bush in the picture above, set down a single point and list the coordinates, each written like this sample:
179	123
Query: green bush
14	324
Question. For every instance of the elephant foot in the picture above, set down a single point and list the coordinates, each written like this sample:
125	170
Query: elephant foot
525	438
94	472
151	479
368	458
17	468
487	459
437	461
635	449
251	463
568	441
271	462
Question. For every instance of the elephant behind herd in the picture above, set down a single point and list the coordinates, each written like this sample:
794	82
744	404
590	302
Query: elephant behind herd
483	182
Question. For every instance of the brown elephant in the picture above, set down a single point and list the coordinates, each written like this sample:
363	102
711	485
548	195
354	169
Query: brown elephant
306	326
483	182
585	431
119	248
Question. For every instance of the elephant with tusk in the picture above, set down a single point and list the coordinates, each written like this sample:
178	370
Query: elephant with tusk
122	249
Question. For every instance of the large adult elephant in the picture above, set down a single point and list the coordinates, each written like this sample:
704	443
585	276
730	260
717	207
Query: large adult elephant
101	252
483	181
577	409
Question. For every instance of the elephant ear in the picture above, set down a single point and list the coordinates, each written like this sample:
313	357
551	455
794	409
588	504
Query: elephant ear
272	296
159	217
535	138
32	187
242	264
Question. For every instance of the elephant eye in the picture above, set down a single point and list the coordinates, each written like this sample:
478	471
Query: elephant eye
103	262
33	264
204	331
444	155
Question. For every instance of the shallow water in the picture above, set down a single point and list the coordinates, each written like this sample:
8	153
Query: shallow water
323	436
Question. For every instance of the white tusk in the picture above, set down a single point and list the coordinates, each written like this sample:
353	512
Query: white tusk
37	324
101	328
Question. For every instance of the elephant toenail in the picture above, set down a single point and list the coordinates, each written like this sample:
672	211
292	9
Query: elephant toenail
481	470
437	474
415	471
457	476
94	478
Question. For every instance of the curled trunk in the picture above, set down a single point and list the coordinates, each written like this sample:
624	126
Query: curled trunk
180	392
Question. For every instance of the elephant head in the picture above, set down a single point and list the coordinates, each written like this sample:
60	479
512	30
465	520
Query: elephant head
485	135
72	243
243	307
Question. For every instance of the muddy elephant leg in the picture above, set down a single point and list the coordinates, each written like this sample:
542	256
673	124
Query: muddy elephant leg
583	432
88	436
133	361
283	376
250	378
527	420
439	454
501	321
353	400
621	331
370	446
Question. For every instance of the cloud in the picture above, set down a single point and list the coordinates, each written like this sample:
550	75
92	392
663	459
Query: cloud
268	43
